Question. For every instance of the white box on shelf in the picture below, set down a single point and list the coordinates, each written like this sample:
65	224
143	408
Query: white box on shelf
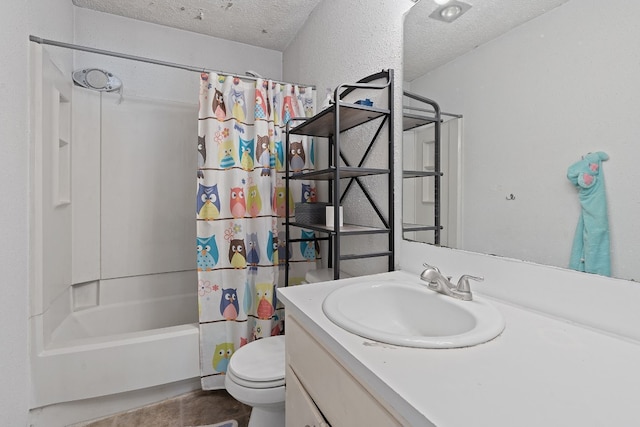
329	214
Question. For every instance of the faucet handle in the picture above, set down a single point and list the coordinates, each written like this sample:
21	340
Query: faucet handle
432	267
463	282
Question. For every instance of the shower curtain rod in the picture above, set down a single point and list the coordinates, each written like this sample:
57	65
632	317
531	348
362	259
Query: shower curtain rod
40	40
426	110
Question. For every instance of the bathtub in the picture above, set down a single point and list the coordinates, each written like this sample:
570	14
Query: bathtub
141	333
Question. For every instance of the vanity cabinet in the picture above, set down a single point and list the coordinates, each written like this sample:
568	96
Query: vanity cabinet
319	388
301	409
330	125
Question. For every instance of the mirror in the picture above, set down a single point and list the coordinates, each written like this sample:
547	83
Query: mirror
534	101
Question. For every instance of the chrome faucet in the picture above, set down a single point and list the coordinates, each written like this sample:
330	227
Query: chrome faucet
440	283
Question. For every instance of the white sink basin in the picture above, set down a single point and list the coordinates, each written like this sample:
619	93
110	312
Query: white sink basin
411	315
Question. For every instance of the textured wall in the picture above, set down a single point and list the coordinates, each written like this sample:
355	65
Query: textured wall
342	42
534	101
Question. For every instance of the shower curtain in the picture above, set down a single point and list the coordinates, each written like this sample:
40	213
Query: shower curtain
240	209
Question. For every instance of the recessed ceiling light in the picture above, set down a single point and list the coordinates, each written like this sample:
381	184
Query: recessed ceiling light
450	11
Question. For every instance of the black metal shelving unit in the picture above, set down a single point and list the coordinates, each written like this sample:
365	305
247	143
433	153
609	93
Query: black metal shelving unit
330	123
414	117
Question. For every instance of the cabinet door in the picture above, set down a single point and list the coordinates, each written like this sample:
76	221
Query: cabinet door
300	409
344	402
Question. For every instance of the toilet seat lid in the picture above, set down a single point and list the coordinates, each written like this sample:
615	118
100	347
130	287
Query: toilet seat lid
259	361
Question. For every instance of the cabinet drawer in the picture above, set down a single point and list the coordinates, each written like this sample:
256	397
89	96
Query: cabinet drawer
300	409
339	396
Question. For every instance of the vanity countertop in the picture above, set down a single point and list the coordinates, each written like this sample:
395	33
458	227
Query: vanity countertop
541	371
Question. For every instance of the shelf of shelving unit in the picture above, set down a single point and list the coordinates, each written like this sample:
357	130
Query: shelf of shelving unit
419	174
346	229
367	255
350	115
345	172
412	120
417	227
342	116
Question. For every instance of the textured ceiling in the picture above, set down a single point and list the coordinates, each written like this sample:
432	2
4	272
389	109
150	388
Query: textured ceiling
429	43
272	24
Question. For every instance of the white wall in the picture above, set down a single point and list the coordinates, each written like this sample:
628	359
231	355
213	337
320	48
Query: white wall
13	217
342	42
534	101
124	35
17	20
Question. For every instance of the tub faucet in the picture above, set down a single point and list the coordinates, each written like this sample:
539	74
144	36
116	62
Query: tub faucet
440	283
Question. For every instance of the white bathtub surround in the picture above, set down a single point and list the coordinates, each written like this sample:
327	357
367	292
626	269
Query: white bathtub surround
143	334
113	305
113	297
541	370
106	304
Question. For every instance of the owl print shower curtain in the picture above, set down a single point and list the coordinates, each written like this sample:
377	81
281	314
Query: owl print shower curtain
240	208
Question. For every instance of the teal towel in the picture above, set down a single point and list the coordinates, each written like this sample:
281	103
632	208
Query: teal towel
590	251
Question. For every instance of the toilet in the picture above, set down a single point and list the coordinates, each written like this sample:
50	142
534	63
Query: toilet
255	377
